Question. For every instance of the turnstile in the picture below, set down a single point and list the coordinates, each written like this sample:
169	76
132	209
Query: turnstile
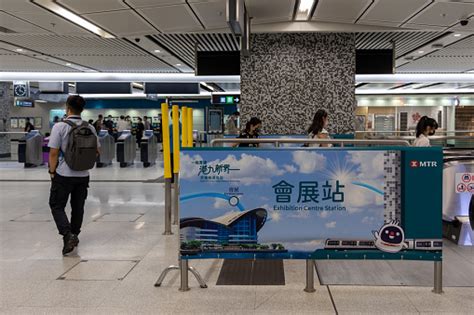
458	196
30	149
148	148
126	148
107	149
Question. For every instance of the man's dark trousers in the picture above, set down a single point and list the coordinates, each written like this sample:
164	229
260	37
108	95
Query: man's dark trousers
61	188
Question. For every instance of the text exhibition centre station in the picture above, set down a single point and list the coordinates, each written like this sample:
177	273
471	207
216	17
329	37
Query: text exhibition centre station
268	156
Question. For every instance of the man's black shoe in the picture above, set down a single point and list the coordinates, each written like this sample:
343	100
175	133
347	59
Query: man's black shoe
68	241
75	239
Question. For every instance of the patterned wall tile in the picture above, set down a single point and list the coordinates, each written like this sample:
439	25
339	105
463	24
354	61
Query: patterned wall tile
6	101
287	77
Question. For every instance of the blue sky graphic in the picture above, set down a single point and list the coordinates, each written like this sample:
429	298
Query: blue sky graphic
261	169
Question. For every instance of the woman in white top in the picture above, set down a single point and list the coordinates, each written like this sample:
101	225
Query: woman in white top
425	127
317	130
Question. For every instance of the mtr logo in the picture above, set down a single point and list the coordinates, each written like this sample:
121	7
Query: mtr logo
417	164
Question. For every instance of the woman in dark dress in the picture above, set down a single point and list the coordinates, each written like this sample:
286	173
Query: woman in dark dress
140	129
251	131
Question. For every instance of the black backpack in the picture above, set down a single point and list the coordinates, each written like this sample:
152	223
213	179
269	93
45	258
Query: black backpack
81	149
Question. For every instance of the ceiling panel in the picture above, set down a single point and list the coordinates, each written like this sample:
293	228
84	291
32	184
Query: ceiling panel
176	18
104	54
18	6
17	25
393	11
121	23
90	6
183	45
123	63
211	13
53	23
444	13
263	11
152	3
404	41
340	10
10	61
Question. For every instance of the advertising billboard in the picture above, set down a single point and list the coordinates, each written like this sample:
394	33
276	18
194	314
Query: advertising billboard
296	203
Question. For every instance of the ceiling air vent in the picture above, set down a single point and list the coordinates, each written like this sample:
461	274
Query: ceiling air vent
6	30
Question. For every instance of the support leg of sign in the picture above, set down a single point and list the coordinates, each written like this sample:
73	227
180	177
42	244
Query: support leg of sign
176	200
167	207
164	273
196	274
183	269
438	277
309	276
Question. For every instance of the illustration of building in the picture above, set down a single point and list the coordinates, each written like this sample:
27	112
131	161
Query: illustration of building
392	194
232	228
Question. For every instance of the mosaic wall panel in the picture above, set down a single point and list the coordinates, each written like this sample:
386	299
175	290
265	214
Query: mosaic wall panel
6	101
287	77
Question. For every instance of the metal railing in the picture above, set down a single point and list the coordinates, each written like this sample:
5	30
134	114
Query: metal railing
341	142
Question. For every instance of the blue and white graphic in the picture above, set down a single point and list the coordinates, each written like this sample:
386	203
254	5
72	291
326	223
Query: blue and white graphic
284	201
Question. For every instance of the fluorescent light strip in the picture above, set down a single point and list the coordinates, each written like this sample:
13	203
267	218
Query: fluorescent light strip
74	18
208	86
409	77
114	77
412	91
143	95
303	12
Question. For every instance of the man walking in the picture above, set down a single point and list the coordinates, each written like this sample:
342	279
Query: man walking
68	168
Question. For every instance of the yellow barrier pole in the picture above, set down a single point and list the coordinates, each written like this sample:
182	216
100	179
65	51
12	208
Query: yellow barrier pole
184	119
167	166
175	111
189	129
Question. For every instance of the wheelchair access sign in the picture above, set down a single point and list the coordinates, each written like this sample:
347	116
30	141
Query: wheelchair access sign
464	183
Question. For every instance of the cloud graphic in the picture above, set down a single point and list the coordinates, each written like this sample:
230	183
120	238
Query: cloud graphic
220	203
331	225
369	165
251	169
290	168
309	162
323	214
357	198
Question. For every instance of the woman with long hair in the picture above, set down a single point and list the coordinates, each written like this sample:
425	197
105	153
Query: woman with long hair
317	129
251	131
425	127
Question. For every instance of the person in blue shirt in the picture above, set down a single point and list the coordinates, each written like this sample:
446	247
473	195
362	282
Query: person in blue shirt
65	182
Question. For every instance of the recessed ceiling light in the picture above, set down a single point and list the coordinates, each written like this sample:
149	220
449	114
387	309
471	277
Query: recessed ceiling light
74	18
19	49
157	50
178	64
305	7
421	51
68	64
457	35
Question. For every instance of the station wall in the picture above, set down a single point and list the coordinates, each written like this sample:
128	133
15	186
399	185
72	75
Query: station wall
287	77
6	99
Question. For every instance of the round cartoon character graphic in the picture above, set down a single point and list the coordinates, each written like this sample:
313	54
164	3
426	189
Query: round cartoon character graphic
390	238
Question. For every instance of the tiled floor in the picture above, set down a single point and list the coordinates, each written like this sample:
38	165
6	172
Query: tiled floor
122	252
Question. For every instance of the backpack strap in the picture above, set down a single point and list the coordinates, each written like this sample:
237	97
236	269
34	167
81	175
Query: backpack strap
70	123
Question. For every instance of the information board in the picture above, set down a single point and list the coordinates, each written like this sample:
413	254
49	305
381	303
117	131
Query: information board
309	203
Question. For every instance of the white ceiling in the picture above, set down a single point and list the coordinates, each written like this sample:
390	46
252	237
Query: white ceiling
26	25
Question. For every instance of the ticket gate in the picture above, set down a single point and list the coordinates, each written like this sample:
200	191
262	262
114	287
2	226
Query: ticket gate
148	148
126	148
30	149
458	196
107	149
